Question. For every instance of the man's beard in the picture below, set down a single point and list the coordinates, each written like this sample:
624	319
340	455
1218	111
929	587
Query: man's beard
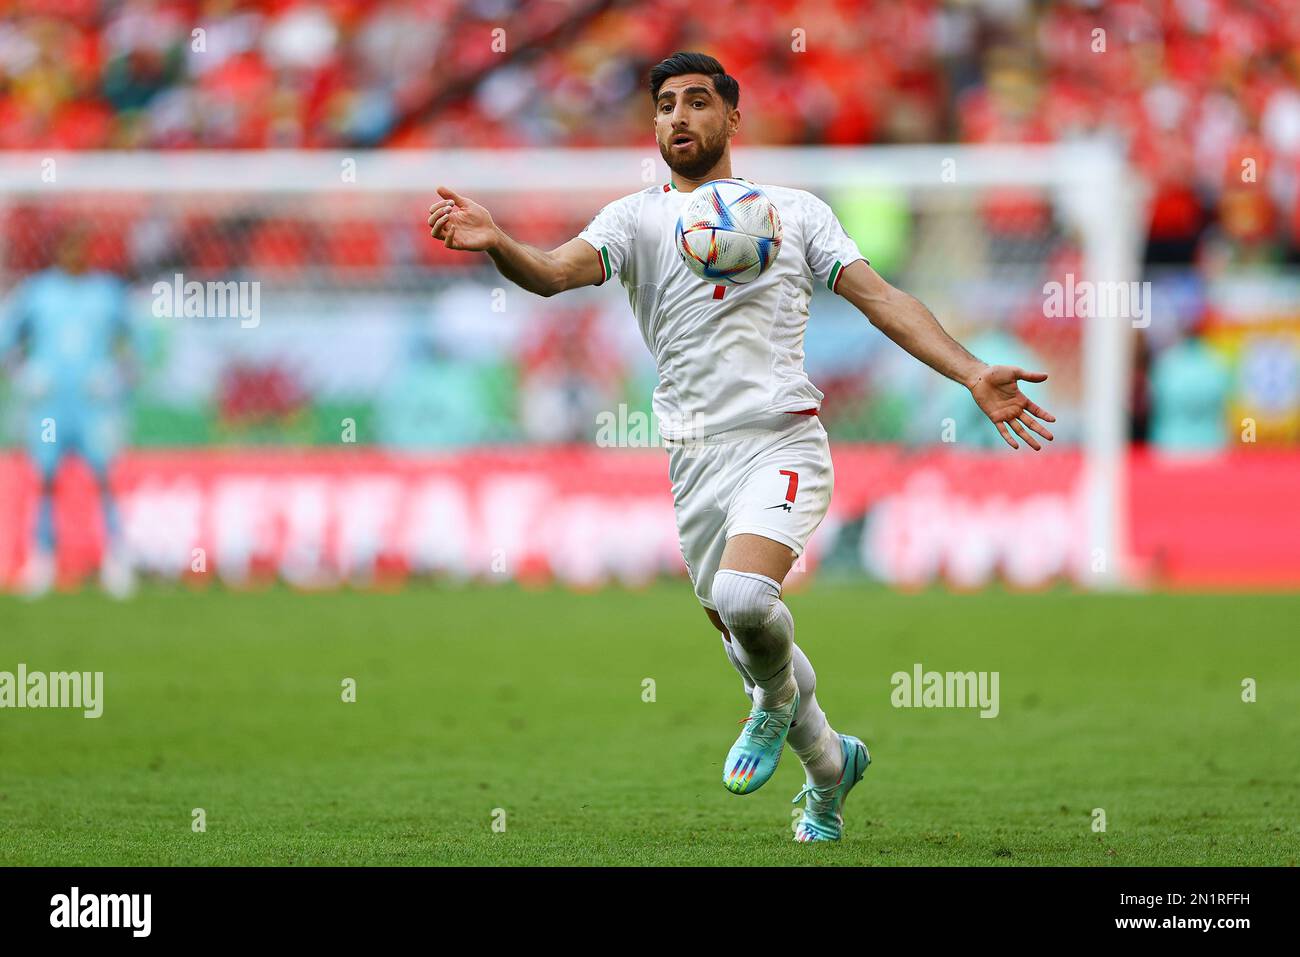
706	157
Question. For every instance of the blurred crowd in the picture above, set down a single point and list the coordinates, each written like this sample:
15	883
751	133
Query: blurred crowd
1204	93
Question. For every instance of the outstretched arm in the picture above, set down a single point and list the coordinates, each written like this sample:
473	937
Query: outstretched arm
907	322
463	224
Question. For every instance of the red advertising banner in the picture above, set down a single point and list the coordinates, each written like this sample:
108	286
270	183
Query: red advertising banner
586	516
1229	521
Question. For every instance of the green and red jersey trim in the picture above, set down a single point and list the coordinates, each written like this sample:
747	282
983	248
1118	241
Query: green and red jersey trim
834	277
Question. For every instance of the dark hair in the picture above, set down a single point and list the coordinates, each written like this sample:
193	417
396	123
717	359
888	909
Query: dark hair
679	64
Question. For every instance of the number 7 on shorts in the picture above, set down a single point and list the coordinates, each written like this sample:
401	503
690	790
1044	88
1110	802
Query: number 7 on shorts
793	487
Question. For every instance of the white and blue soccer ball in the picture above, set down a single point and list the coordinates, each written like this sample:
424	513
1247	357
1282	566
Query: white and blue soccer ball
729	232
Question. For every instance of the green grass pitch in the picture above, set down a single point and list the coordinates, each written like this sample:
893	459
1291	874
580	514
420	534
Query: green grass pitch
476	699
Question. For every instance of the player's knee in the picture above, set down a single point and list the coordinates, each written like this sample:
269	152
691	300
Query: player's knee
745	601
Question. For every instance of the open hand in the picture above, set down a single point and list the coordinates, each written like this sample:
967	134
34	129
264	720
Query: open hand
997	393
461	223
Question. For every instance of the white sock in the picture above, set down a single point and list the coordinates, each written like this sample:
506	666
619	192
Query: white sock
809	720
811	737
823	759
752	602
762	633
740	669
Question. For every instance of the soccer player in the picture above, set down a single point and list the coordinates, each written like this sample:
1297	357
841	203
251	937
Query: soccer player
748	457
67	323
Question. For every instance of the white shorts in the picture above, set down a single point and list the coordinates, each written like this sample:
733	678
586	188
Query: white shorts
772	479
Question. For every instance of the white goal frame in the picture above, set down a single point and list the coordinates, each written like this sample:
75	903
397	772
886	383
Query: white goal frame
1094	191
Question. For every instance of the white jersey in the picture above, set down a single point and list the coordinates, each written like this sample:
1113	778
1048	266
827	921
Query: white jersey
727	355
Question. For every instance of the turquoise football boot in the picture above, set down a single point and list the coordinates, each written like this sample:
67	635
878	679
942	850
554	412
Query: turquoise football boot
754	756
823	817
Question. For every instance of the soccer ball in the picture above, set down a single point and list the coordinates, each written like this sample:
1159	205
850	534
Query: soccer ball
729	232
